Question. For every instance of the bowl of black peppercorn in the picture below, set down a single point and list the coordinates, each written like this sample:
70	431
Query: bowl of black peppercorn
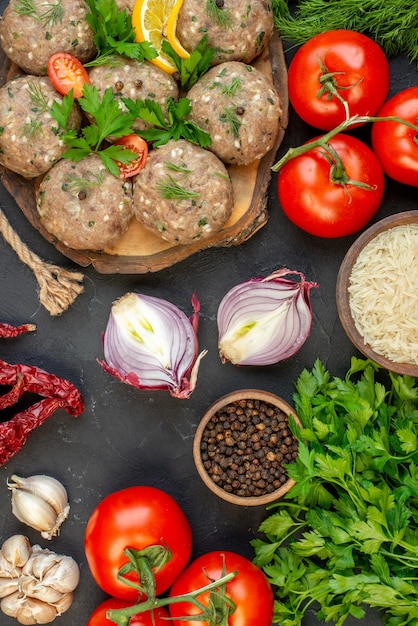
242	446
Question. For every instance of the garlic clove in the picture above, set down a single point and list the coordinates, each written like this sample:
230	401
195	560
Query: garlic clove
46	487
64	603
39	563
28	610
7	570
16	549
64	576
40	502
8	586
36	589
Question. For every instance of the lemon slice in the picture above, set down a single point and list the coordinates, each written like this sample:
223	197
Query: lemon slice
156	21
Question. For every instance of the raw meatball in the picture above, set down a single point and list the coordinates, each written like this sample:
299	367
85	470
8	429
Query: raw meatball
135	80
183	193
29	143
31	32
128	5
240	108
83	205
237	31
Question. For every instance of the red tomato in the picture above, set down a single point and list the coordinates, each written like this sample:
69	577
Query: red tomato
98	617
315	203
357	68
136	518
395	144
249	590
136	144
66	72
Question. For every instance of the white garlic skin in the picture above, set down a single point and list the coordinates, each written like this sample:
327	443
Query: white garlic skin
40	502
16	550
28	610
38	589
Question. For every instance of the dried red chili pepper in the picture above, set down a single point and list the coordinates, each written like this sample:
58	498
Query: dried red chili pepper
9	331
57	393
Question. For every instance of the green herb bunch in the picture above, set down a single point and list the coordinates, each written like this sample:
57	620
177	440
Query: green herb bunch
346	535
393	24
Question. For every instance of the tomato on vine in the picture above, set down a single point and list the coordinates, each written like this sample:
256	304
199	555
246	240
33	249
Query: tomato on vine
245	600
331	192
137	529
335	75
396	144
149	618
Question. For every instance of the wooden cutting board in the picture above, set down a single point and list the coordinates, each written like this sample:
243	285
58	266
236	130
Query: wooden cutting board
139	251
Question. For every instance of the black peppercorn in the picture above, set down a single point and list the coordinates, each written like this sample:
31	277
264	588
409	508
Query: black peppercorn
245	445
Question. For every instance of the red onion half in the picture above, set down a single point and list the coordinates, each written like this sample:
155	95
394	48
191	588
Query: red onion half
151	344
264	320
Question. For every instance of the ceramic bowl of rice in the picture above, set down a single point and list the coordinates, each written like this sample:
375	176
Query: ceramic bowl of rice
377	293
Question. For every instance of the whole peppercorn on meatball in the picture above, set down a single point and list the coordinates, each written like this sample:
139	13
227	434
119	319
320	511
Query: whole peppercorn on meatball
128	78
83	205
237	30
240	108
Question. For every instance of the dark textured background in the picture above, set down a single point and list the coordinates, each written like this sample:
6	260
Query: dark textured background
129	437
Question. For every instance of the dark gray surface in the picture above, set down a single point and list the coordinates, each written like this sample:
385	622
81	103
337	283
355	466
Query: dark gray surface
129	437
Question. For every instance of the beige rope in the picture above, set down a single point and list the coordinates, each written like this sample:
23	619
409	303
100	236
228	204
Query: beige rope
58	287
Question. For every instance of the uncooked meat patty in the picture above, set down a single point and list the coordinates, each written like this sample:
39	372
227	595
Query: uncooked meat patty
183	193
29	143
30	32
83	205
237	30
135	80
240	109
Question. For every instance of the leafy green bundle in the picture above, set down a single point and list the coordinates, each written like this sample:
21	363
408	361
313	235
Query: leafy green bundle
393	24
346	535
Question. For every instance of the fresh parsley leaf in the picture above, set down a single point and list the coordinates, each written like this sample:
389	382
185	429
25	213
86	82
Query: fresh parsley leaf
167	125
192	68
114	34
108	120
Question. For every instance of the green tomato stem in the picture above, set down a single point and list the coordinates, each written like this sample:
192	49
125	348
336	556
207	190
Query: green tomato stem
322	142
122	616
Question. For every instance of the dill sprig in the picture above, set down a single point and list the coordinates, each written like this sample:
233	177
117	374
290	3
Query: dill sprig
177	168
393	24
219	15
92	179
52	14
230	117
170	189
38	99
232	89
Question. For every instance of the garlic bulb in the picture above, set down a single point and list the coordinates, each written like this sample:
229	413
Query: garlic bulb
36	584
40	502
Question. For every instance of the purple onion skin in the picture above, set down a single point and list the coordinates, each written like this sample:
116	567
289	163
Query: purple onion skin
264	294
144	371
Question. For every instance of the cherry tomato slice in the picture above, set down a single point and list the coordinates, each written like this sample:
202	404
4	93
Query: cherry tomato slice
136	144
67	72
